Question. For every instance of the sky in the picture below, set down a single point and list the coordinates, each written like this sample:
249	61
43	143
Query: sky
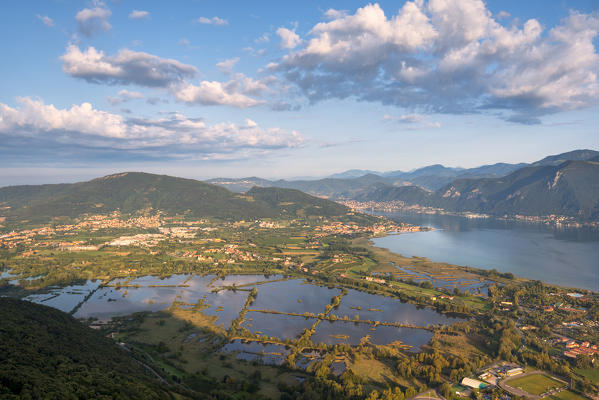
204	89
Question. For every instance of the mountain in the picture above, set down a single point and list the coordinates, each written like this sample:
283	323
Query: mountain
354	173
576	155
241	185
132	192
490	171
570	188
45	353
295	202
408	194
328	187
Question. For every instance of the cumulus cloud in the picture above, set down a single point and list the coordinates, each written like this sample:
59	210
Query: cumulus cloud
93	20
138	14
124	96
183	137
49	22
218	93
143	69
213	21
127	67
289	39
448	56
227	65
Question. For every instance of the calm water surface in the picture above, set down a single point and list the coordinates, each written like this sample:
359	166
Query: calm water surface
567	257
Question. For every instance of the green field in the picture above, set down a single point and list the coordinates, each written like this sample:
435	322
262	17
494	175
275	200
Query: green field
535	384
591	374
566	395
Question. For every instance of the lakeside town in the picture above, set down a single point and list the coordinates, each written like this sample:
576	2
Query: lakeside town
400	206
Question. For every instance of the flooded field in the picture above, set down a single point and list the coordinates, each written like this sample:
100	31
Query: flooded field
293	296
352	333
386	309
281	326
65	298
268	315
267	353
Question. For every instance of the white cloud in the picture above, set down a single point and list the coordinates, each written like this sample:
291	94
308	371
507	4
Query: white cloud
124	96
411	118
213	21
213	93
35	116
331	13
227	65
127	67
93	20
143	69
138	14
289	39
448	56
181	136
45	20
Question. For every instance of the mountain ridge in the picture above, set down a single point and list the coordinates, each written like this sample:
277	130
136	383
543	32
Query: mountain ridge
132	192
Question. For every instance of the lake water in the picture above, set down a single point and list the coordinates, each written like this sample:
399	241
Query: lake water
567	257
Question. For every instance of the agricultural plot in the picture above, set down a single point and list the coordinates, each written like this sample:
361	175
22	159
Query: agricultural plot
565	395
535	384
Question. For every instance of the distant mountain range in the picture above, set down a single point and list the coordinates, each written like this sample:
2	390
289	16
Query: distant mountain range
564	184
131	192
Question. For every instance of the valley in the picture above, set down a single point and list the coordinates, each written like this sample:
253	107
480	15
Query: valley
295	303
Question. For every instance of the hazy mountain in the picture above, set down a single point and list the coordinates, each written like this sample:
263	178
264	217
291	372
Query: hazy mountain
240	185
354	173
571	189
132	192
576	155
328	187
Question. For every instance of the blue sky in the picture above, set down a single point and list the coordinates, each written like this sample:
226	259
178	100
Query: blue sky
286	89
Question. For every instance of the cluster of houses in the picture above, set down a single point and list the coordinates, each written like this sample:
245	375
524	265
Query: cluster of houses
142	239
340	228
573	348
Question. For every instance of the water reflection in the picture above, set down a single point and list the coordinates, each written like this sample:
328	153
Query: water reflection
352	333
565	257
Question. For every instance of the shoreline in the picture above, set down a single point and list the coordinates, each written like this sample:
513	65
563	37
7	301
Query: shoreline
558	221
472	269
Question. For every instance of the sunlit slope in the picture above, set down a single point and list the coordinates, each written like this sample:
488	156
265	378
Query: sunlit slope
133	192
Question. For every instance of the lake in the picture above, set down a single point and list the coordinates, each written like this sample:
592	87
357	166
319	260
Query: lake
566	257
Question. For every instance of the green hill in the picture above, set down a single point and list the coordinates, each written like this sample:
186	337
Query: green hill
47	354
408	194
295	202
131	192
